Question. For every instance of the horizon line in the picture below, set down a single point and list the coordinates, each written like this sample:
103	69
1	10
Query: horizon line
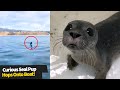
22	29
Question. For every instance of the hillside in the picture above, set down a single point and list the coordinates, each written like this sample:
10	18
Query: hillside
4	31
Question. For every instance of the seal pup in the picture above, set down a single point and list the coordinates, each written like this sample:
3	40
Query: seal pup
96	45
31	44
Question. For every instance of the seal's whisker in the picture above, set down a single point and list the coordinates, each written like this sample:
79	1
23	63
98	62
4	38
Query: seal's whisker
60	48
59	39
86	58
95	58
57	51
82	57
92	55
88	51
89	57
56	45
59	36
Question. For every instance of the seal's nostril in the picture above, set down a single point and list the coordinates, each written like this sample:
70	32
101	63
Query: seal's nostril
78	35
74	35
71	34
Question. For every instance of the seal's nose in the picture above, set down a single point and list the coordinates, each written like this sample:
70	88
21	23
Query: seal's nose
74	35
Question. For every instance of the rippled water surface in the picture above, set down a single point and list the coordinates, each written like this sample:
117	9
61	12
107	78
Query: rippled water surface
13	51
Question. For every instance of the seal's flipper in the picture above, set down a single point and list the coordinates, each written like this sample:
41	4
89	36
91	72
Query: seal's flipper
71	63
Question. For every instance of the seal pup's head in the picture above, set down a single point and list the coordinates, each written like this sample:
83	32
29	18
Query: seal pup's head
79	35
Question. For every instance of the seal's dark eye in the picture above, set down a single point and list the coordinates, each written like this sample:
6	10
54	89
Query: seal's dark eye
90	31
69	26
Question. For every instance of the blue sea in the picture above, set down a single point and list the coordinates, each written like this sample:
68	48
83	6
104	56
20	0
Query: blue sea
14	52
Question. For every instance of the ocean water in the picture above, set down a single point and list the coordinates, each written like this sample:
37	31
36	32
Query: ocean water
14	52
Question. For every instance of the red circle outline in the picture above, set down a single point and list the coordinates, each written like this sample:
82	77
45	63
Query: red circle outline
25	42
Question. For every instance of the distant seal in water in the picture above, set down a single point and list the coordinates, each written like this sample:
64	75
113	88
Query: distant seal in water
96	45
31	44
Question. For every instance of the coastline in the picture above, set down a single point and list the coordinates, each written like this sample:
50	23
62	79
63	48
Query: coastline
24	35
